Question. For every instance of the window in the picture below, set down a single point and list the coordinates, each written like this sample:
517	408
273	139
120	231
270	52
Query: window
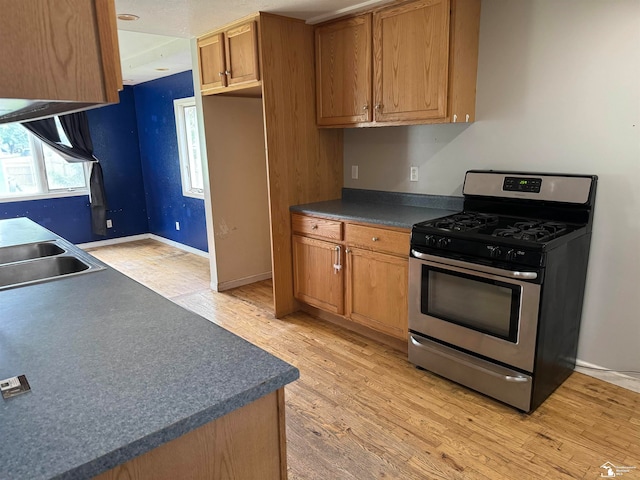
30	169
189	147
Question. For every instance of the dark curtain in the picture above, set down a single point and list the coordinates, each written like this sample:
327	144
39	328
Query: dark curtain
76	128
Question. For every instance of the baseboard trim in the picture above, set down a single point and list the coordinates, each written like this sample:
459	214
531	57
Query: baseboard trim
143	236
113	241
181	246
602	373
222	286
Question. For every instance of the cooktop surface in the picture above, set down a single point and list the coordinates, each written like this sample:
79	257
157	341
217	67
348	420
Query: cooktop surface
474	224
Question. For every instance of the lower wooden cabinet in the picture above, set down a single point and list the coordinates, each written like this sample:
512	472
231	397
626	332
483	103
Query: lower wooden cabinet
318	278
244	444
363	277
376	293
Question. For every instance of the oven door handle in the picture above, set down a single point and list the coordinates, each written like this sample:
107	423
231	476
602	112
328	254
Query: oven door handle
475	266
506	378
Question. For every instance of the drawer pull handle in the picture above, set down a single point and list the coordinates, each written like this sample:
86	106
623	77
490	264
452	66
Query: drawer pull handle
375	239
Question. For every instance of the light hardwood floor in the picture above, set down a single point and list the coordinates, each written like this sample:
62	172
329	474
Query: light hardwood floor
361	411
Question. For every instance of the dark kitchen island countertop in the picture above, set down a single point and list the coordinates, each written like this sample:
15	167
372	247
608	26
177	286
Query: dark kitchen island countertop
115	371
383	208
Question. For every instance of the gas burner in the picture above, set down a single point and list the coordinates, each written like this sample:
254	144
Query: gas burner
526	225
555	227
505	232
463	222
532	230
536	234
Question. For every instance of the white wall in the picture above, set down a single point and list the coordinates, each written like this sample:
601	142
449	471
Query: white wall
238	185
559	91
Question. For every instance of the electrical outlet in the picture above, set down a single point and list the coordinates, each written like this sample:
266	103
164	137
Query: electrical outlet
177	225
413	174
109	224
354	172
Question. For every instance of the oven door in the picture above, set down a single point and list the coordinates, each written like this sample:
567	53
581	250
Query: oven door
484	310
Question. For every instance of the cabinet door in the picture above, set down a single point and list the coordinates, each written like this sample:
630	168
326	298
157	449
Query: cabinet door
211	62
242	54
411	58
343	71
56	50
377	286
315	280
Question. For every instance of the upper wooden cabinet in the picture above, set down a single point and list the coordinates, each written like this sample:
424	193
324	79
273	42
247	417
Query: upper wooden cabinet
343	71
57	57
212	62
421	66
242	54
228	59
411	53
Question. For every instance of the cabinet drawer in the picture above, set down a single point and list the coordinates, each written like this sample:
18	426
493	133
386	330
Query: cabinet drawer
318	227
379	239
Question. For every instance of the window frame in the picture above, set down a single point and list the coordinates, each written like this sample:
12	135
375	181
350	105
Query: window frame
179	105
41	178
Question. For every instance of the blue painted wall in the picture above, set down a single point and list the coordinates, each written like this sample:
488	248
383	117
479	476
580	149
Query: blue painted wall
136	143
69	217
114	133
160	162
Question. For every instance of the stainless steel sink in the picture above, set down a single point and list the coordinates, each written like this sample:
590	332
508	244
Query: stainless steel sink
18	253
46	268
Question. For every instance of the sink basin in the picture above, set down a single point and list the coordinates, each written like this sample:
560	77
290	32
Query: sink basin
43	269
18	253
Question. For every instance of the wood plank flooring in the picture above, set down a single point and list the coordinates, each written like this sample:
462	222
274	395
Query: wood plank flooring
361	411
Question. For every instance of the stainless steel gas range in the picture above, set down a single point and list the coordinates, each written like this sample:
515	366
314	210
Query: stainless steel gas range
496	291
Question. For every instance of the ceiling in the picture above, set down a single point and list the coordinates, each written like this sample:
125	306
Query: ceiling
158	43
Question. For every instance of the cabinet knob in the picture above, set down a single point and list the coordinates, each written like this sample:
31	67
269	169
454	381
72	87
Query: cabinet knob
221	74
315	227
365	108
227	72
378	106
375	239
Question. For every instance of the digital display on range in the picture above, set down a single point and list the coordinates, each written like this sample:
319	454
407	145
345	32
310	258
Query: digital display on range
521	184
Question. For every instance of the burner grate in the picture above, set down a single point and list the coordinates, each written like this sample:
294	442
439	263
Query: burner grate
463	222
534	230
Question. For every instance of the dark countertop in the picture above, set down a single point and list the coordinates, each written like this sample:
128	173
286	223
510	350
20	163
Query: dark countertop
115	371
383	208
17	231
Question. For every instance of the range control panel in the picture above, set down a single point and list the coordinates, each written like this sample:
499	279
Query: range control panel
521	184
443	245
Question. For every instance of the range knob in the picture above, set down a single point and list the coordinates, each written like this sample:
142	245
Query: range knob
443	242
495	252
430	240
511	254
